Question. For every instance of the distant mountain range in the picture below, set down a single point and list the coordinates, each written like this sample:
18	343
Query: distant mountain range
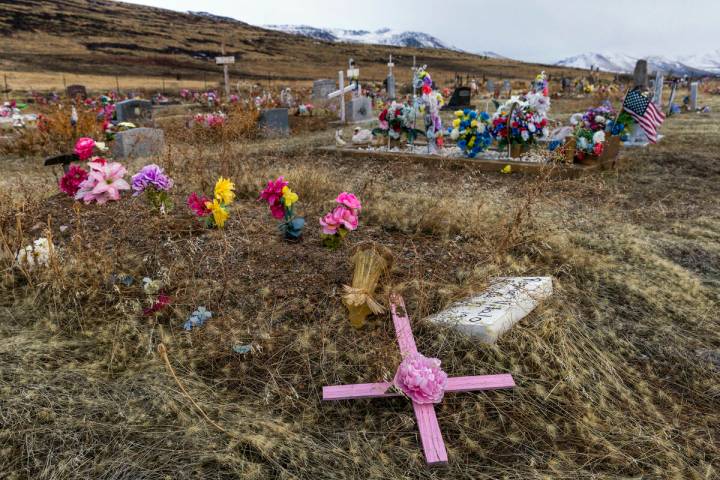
702	64
384	36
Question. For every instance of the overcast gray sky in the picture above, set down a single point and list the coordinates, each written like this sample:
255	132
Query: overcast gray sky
534	30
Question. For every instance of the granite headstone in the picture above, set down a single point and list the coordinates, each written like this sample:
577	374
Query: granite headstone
139	112
138	143
274	122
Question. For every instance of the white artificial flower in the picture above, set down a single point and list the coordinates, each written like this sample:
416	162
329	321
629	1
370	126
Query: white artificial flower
576	118
525	135
531	127
545	131
35	255
600	119
455	134
582	143
599	137
481	128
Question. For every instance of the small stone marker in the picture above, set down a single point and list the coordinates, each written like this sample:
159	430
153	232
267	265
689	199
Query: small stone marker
138	143
640	76
360	110
490	87
322	88
135	111
490	314
274	122
506	87
74	90
657	97
460	98
430	434
693	96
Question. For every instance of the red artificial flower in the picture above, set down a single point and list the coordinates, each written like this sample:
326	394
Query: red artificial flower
383	115
161	302
70	182
426	89
197	204
598	149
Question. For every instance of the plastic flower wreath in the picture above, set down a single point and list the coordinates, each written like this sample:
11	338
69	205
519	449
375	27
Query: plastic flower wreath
155	184
527	122
429	105
281	199
341	220
214	210
472	131
104	183
396	120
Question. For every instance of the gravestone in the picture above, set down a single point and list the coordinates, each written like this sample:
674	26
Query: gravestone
274	122
135	111
322	88
506	87
640	76
138	143
360	110
693	96
74	90
495	311
490	87
657	97
460	98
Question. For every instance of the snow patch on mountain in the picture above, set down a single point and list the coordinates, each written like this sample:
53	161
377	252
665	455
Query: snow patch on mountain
705	64
383	36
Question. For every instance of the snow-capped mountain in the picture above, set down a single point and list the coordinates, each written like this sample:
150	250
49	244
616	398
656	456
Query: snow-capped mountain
706	64
384	36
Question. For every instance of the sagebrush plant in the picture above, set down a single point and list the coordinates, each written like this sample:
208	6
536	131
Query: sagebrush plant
611	371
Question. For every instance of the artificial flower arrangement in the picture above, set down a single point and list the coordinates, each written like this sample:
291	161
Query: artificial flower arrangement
429	104
104	182
111	129
395	120
213	211
281	199
210	120
472	131
342	220
155	184
527	122
588	142
35	255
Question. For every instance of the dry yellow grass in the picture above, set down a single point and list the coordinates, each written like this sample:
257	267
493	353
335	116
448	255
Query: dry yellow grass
615	372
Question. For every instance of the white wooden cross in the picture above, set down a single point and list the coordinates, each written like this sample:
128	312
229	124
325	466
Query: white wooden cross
414	70
430	435
390	66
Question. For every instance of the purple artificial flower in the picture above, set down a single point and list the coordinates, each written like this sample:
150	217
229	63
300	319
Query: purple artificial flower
151	176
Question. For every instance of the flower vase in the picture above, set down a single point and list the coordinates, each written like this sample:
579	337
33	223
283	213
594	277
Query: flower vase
517	149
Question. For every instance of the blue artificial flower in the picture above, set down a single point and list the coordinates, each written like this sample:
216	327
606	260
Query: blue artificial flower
485	116
554	145
462	144
198	318
473	115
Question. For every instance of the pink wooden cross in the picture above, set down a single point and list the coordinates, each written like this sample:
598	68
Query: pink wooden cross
430	435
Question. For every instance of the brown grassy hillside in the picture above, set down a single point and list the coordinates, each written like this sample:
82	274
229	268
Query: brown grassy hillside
114	38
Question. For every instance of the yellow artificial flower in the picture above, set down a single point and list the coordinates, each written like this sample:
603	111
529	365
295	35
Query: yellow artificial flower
506	169
289	196
473	123
471	142
456	123
224	191
459	113
220	215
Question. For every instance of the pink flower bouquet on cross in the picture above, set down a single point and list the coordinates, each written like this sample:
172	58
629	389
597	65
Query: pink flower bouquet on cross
421	380
341	220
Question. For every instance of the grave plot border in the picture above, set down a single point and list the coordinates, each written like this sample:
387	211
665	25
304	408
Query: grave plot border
560	170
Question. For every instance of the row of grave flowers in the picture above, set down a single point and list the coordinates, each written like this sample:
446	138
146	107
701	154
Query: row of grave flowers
104	181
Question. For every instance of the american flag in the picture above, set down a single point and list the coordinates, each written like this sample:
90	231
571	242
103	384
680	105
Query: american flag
644	112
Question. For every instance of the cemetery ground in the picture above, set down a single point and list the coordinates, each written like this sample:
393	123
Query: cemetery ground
617	373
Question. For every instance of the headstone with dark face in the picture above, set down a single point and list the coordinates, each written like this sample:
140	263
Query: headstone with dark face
135	111
73	91
274	122
460	98
359	110
138	143
640	76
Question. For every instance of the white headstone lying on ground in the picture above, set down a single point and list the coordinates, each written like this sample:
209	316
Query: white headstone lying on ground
490	314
